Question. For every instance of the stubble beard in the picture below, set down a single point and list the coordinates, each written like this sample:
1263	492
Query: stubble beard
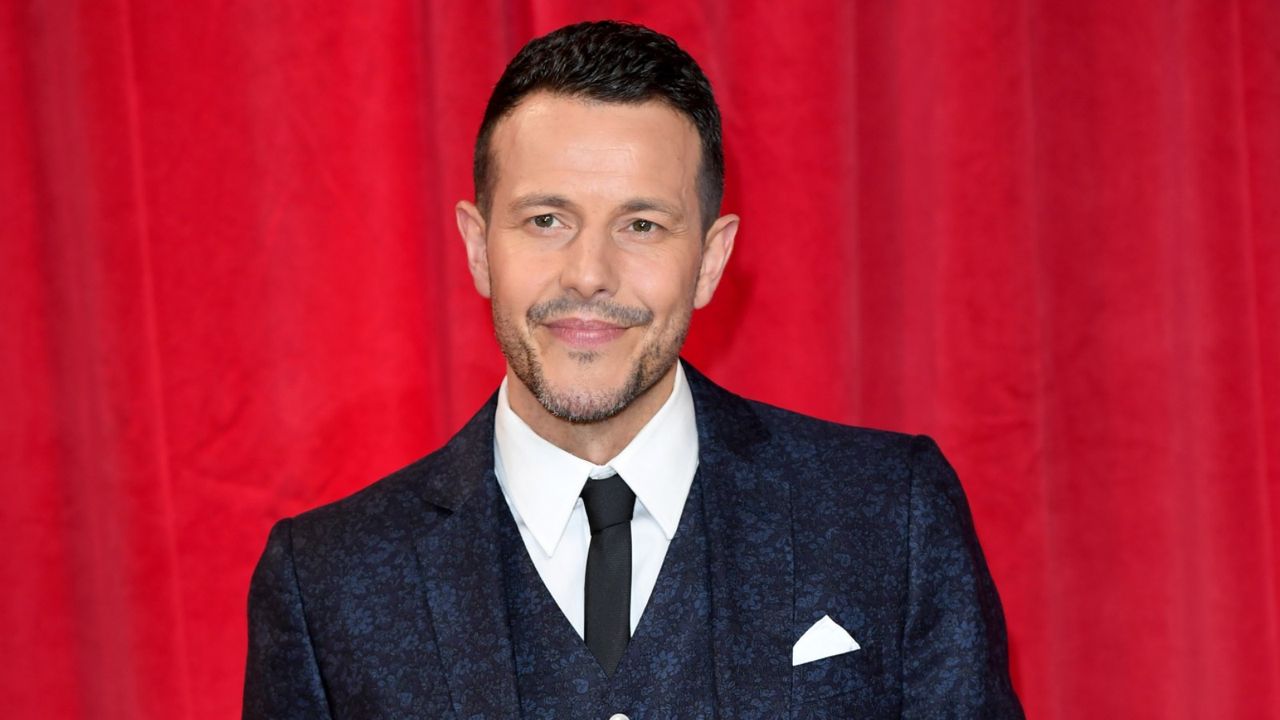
577	405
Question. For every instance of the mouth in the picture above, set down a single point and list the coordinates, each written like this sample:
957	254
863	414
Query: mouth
583	333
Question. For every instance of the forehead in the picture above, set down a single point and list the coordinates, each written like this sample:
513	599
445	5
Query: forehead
566	145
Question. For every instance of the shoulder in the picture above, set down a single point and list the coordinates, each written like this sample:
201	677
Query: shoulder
376	509
830	464
809	447
413	498
828	442
872	465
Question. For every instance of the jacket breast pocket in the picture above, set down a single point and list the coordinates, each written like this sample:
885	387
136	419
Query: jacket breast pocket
829	677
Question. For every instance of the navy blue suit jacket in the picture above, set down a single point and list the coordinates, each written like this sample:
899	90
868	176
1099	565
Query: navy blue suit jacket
389	603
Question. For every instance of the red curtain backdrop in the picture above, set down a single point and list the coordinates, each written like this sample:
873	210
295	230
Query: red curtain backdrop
1047	233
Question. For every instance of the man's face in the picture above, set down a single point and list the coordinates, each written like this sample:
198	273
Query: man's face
592	253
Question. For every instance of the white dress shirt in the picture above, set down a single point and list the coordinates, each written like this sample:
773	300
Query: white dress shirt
541	484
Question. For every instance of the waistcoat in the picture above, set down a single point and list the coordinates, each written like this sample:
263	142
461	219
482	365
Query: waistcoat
667	670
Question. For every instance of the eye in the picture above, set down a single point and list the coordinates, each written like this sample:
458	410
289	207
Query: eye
543	221
643	226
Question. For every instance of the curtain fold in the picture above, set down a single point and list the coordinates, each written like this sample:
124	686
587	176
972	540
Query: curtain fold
1046	233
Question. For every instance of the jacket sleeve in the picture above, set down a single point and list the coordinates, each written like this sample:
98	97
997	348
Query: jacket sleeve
955	651
282	678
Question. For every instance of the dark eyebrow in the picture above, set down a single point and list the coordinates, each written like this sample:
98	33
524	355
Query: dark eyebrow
541	200
634	205
643	204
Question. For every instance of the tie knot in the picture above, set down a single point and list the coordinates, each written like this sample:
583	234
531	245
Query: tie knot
608	501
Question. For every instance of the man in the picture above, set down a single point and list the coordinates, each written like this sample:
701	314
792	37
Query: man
613	535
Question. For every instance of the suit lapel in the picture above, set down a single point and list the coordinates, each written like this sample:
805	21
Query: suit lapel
462	565
747	506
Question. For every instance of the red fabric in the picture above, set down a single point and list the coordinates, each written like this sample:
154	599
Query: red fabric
1047	233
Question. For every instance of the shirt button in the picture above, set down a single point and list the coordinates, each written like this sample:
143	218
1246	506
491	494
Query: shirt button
618	716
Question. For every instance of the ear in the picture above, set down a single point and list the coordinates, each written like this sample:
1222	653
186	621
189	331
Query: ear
716	249
471	226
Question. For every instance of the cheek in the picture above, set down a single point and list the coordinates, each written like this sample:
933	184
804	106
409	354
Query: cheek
518	278
667	278
665	285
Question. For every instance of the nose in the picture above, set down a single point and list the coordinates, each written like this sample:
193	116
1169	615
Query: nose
590	264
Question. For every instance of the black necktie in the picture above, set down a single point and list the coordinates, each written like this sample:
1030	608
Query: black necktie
609	504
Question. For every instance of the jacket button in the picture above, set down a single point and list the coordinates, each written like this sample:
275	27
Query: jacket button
618	716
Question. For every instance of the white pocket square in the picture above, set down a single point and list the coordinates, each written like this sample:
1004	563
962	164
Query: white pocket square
823	640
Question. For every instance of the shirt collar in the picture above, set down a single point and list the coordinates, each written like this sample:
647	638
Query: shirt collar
543	482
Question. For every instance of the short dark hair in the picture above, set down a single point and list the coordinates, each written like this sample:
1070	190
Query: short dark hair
609	62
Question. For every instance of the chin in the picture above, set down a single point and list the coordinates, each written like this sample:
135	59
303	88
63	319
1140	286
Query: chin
586	397
583	407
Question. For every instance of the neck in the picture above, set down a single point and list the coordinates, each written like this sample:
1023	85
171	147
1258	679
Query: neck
597	442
